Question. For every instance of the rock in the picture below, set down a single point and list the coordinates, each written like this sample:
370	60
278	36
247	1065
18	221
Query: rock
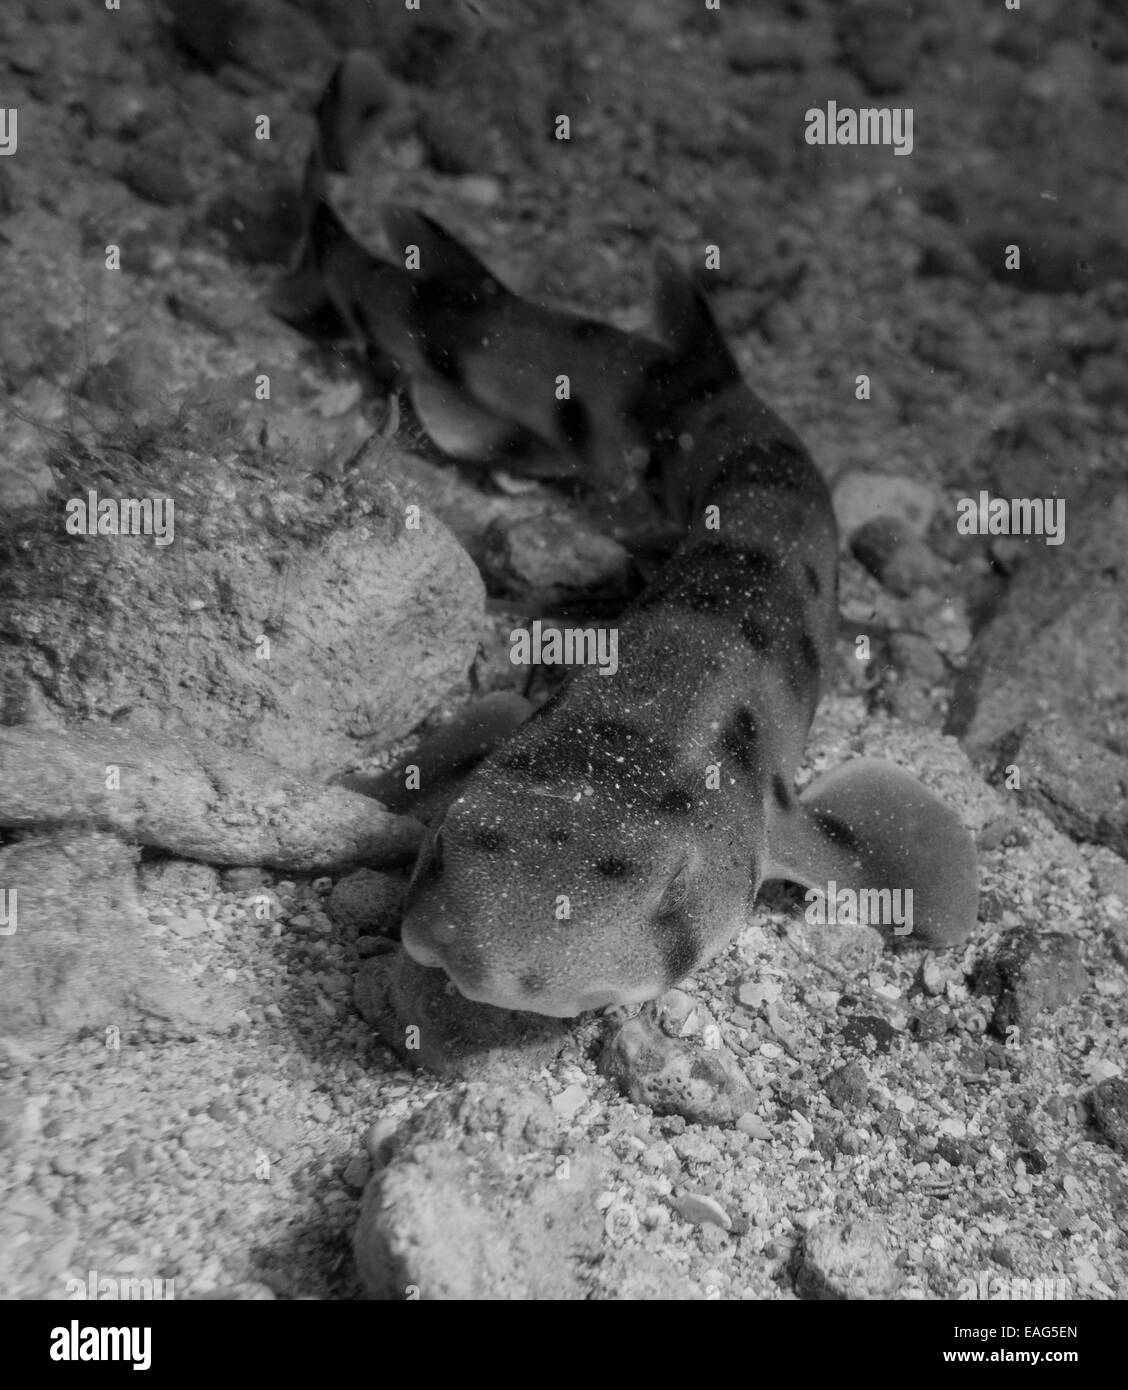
367	902
848	1087
36	1248
1029	973
178	878
238	649
880	43
753	1126
699	1210
268	36
357	1171
245	880
1003	830
260	218
79	958
1027	1145
1021	456
916	658
1054	259
846	1261
1109	1102
1110	878
957	1152
453	145
195	800
756	50
863	1029
122	112
421	1015
656	1066
894	556
537	560
158	176
132	379
861	497
1102	380
1059	644
1081	785
208	29
438	1221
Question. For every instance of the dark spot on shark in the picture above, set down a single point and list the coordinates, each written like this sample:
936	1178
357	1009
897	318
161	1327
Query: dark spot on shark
612	866
781	791
519	760
814	583
490	839
677	801
755	633
751	468
740	740
558	835
715	577
574	420
532	982
838	831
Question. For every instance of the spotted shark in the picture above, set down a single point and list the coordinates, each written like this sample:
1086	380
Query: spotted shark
616	840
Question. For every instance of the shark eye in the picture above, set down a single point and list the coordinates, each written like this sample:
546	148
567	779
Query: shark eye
675	894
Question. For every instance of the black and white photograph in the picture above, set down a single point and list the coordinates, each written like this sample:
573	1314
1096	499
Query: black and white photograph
564	663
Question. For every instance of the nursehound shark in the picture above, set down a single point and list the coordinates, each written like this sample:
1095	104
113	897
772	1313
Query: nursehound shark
616	840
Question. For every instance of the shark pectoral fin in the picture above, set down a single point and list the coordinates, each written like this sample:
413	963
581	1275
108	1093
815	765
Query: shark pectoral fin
867	827
440	254
442	759
461	428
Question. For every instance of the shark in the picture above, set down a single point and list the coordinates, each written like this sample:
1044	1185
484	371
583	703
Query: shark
615	841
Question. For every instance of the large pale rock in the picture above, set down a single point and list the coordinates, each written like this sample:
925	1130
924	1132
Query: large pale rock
307	628
1059	645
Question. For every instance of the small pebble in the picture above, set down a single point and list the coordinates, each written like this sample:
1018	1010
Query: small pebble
700	1210
753	1126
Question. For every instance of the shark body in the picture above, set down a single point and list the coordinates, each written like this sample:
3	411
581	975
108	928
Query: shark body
616	840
